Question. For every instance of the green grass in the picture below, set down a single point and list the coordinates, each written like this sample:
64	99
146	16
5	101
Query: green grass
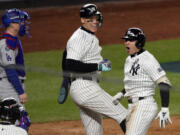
42	86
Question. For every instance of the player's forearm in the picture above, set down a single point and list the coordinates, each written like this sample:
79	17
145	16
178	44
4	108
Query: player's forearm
14	80
164	92
78	66
164	86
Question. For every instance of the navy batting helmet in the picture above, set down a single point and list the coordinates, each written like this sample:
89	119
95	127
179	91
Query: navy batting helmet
89	10
9	110
136	34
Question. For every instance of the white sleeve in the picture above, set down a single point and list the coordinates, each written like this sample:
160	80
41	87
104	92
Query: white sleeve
153	69
76	48
8	56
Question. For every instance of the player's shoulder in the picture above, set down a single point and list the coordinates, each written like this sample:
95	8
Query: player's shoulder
148	59
147	56
79	36
10	41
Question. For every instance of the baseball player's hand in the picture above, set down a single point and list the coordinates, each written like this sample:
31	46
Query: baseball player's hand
117	98
164	117
105	65
23	98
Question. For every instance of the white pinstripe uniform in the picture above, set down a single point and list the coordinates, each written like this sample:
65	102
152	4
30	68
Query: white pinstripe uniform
141	73
11	130
92	100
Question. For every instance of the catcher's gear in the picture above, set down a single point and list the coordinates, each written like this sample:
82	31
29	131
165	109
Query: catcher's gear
9	110
135	34
17	16
89	10
164	117
64	89
24	121
117	98
105	65
25	26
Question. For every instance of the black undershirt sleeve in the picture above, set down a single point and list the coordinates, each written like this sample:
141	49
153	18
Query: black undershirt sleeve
80	67
164	93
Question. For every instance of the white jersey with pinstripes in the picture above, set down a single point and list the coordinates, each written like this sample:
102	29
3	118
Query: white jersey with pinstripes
84	46
141	73
11	130
91	99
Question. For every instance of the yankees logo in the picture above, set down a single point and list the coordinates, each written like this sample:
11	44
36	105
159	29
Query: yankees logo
92	9
134	68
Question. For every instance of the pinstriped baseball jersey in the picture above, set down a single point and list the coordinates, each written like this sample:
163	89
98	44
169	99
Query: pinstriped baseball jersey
92	100
11	130
141	72
84	46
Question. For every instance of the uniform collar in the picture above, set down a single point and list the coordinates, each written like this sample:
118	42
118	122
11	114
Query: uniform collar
82	28
140	51
8	35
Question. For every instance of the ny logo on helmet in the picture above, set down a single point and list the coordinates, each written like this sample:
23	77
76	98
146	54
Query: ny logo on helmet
92	9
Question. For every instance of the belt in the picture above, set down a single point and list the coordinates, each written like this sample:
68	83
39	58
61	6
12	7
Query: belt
85	78
133	100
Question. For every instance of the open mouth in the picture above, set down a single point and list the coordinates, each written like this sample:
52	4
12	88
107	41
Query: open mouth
127	48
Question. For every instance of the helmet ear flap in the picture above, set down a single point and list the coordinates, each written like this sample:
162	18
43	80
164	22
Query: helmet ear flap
140	41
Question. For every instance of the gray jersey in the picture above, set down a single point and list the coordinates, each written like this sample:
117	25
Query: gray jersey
7	57
11	130
91	99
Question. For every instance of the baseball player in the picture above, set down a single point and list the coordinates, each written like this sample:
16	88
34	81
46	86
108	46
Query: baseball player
11	54
142	71
83	57
9	113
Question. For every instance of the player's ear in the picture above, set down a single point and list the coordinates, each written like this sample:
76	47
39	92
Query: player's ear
83	20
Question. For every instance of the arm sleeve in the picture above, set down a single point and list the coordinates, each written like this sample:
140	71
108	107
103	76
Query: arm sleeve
78	66
14	80
164	93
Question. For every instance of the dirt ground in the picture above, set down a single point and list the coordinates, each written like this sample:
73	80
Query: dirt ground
110	127
51	28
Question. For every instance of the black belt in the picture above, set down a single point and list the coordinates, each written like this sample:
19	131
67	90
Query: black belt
84	78
130	101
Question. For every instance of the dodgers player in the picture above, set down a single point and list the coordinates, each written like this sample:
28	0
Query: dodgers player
11	53
141	72
9	113
83	56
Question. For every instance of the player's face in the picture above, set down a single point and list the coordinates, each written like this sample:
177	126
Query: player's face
91	24
14	28
131	47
